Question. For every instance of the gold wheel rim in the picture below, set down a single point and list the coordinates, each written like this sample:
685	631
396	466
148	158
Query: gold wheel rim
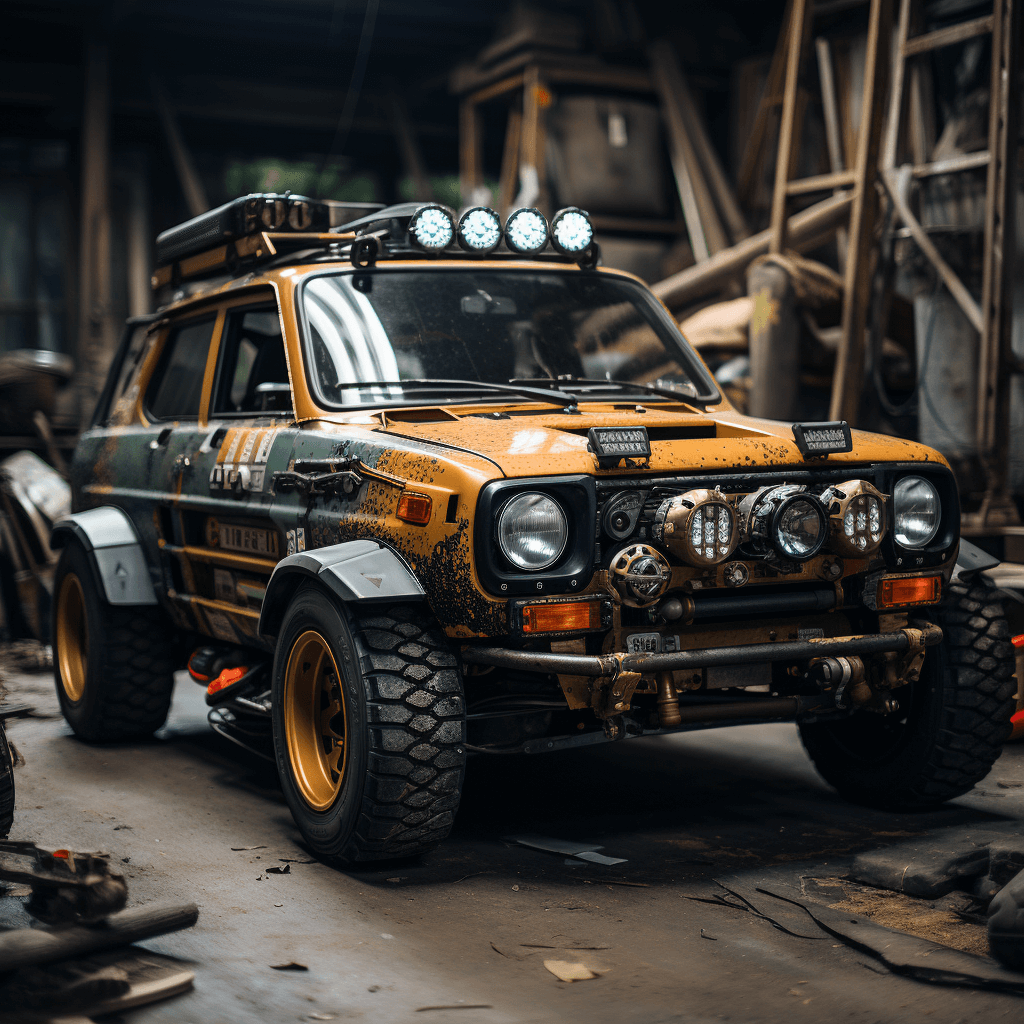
72	637
315	725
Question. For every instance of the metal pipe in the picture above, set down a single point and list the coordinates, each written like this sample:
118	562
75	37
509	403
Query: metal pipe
650	664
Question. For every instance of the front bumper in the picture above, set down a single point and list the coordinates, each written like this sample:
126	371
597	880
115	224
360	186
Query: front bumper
613	665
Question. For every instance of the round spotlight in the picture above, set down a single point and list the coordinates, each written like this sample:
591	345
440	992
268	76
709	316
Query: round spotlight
858	517
699	527
571	231
432	228
786	521
526	232
798	528
479	230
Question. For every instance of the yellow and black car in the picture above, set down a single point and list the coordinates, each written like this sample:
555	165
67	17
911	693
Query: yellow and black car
414	486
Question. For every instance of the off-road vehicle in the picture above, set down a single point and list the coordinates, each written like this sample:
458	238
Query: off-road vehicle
417	486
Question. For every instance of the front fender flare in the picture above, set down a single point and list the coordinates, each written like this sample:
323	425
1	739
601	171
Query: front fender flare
357	571
109	538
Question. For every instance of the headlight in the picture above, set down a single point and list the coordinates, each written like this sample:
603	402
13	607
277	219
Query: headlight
532	531
916	511
526	232
479	230
699	526
432	228
798	529
858	517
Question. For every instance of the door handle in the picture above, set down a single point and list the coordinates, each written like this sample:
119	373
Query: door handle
162	438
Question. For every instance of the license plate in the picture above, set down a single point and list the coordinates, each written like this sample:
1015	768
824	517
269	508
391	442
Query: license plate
643	643
248	539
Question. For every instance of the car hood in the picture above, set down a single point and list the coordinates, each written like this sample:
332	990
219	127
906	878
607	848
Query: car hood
556	443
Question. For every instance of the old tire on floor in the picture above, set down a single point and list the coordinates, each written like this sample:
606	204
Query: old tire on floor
369	728
6	784
114	665
951	724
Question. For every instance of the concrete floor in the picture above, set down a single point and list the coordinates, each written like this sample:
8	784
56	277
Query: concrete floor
454	936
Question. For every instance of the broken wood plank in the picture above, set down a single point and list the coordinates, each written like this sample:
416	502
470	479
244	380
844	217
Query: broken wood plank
820	183
708	277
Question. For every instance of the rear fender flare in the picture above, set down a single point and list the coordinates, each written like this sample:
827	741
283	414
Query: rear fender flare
109	538
361	572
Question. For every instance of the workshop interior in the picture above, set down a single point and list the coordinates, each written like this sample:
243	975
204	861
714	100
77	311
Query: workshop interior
511	512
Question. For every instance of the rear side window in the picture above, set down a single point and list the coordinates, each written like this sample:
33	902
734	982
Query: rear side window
177	383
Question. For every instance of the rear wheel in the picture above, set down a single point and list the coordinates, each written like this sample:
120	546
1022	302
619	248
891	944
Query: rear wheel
369	728
951	724
114	665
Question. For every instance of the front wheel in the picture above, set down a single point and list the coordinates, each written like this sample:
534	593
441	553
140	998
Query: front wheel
951	724
369	728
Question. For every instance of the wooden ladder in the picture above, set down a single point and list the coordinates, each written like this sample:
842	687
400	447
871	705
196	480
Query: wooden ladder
992	318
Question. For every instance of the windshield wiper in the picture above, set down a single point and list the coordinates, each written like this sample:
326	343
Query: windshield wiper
625	385
551	394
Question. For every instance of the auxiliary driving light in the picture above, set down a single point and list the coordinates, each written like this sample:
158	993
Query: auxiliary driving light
432	228
788	520
571	231
479	230
698	526
526	231
858	517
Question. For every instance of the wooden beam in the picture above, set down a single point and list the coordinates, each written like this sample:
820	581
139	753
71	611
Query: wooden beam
820	183
409	149
139	238
673	85
808	226
188	176
509	175
789	127
96	334
948	36
848	377
833	137
705	230
999	246
470	145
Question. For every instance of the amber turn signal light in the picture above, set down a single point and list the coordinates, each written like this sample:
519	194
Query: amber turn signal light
414	508
561	618
904	590
1018	640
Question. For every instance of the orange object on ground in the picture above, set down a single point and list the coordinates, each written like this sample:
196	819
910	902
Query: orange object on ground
226	678
1018	726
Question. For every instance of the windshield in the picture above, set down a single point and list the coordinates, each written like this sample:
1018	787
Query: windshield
367	332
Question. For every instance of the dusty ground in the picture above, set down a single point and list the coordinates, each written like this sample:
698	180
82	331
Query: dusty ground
461	935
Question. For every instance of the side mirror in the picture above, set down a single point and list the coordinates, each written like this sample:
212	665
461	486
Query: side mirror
274	396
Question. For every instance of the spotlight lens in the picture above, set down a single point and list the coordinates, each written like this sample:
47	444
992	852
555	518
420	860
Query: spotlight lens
532	531
800	529
432	228
526	231
479	229
571	231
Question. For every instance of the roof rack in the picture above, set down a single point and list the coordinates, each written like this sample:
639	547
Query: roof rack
260	227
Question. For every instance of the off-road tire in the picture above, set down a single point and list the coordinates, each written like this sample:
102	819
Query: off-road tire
6	784
954	723
130	661
406	730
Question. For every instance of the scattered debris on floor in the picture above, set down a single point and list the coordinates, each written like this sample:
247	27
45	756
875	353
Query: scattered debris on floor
1006	924
577	852
290	966
66	886
27	656
76	961
565	970
742	899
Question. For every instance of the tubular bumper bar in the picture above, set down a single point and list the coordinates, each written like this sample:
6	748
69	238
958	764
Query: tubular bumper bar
611	665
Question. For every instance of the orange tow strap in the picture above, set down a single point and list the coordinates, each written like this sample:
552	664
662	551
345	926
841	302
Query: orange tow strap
226	678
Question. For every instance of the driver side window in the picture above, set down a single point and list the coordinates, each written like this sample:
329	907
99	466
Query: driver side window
252	376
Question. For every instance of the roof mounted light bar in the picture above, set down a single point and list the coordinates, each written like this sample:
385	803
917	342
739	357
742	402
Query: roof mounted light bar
262	211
